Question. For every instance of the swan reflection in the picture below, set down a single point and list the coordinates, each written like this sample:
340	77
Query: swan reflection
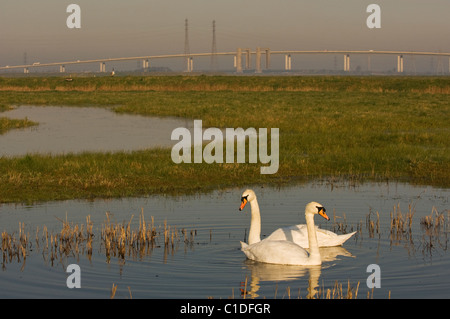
265	272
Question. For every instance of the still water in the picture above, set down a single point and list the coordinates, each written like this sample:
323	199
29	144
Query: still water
76	129
413	264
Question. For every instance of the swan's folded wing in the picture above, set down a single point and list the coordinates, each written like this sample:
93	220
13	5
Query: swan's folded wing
297	234
276	252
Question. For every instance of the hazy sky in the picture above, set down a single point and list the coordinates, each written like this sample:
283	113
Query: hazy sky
113	28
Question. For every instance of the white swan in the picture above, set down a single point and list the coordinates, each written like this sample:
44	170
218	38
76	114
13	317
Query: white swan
299	235
281	251
296	233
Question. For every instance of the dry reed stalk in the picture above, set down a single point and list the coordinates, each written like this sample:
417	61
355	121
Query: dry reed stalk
401	225
245	287
372	226
434	222
118	239
45	233
113	291
288	292
337	291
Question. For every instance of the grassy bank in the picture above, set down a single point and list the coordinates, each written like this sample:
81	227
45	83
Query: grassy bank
229	83
358	128
7	124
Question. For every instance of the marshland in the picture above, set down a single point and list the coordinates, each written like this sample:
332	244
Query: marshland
372	150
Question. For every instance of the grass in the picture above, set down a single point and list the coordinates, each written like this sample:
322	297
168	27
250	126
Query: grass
358	128
7	124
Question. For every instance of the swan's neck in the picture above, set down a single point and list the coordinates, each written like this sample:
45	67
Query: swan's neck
314	253
254	235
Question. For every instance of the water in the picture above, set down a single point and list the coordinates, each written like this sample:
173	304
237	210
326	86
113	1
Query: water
77	129
211	265
413	265
63	129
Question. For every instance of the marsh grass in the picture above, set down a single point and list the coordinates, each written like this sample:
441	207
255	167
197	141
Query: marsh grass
353	128
182	83
117	240
341	226
336	291
7	124
13	249
400	228
433	223
435	227
372	226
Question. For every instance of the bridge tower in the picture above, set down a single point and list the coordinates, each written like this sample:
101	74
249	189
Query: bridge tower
186	46
400	64
214	62
238	60
258	60
347	62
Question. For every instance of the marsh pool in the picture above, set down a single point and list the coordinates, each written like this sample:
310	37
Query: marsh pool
63	129
204	259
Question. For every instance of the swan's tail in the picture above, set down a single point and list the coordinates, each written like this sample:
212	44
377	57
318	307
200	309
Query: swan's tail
343	238
243	246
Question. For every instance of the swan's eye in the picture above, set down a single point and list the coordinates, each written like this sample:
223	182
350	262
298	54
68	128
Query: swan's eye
244	197
321	208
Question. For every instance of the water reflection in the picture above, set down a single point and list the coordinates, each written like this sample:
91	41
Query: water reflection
264	272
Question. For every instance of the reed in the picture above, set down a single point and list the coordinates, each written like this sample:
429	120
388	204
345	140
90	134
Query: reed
15	248
372	226
338	292
119	240
341	226
435	234
434	222
401	224
113	291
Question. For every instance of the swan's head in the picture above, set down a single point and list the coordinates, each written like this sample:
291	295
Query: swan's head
316	208
247	196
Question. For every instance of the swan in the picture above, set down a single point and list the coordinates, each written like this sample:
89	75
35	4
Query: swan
281	251
296	233
299	235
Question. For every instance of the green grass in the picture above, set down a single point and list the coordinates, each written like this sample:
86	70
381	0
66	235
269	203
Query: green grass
359	128
7	124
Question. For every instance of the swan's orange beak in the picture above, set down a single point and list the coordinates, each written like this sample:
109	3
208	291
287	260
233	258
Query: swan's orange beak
322	213
243	203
